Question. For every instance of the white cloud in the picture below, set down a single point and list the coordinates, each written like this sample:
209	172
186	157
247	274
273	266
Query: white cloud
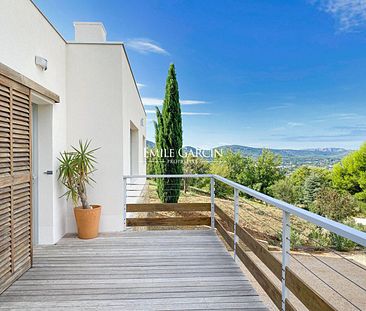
153	101
278	129
346	116
145	46
342	116
196	113
294	124
349	14
278	107
192	102
286	127
140	85
318	120
185	113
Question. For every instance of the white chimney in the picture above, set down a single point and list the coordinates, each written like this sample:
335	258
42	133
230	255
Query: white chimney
88	32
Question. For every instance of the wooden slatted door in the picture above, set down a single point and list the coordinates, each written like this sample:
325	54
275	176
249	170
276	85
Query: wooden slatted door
15	181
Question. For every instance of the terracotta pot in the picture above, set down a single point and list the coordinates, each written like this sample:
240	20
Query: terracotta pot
87	221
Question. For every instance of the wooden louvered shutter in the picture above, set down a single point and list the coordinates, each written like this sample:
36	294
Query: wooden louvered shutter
15	181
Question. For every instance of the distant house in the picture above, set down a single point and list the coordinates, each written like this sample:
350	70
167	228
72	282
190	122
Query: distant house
81	89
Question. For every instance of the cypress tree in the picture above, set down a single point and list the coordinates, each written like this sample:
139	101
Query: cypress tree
312	186
169	141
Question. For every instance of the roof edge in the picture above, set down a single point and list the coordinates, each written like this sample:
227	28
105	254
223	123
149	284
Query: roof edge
96	43
134	80
48	21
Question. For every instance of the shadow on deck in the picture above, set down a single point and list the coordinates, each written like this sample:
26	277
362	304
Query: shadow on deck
148	270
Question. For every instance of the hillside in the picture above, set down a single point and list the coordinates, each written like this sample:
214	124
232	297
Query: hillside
291	157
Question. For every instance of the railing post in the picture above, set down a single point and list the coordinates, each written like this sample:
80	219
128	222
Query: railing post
236	218
124	202
212	190
286	234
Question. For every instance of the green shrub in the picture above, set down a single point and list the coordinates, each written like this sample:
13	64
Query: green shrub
235	167
308	181
335	205
313	184
319	238
343	244
297	239
195	165
258	174
350	174
285	190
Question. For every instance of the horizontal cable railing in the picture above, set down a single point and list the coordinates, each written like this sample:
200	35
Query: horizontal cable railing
248	226
333	226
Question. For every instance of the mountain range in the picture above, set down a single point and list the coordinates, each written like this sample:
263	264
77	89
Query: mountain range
290	157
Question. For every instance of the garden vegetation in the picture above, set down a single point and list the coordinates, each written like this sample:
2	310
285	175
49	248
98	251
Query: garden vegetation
338	194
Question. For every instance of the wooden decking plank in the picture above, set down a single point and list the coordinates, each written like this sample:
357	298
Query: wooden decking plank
34	290
168	207
238	278
131	285
154	270
126	296
237	301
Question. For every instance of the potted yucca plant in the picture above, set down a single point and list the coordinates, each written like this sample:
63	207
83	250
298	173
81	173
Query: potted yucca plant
75	170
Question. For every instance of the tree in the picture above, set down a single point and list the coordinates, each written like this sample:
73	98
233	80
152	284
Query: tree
299	176
150	162
233	166
339	206
306	194
335	205
285	190
195	165
312	186
258	174
169	140
350	174
267	171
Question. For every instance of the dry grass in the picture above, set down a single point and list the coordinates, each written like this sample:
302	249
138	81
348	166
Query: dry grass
261	220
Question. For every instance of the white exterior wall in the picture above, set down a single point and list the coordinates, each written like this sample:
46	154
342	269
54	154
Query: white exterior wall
103	102
89	32
133	112
25	33
94	79
98	99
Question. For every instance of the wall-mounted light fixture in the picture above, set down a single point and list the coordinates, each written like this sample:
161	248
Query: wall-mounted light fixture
41	62
142	122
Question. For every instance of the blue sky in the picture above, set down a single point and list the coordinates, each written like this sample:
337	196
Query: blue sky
280	74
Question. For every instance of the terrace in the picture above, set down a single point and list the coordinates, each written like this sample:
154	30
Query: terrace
212	259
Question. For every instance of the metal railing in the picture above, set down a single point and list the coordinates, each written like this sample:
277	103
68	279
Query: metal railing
288	210
345	231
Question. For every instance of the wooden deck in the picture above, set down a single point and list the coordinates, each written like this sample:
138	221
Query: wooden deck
148	270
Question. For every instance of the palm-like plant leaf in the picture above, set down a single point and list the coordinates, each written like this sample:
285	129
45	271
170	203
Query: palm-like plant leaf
75	170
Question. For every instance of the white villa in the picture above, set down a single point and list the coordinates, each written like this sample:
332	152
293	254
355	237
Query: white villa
55	92
81	89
